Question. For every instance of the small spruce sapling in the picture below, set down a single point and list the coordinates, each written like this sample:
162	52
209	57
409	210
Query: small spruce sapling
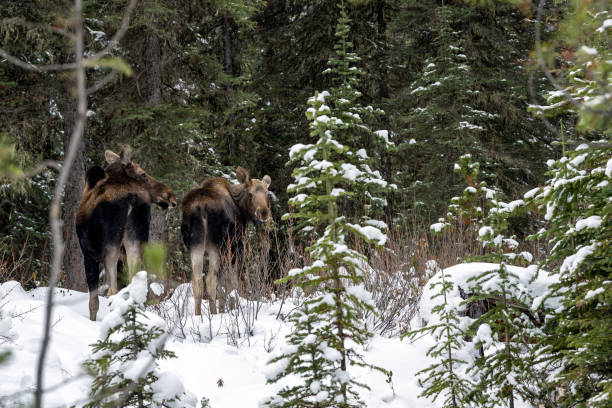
469	209
124	361
446	375
504	371
505	335
306	357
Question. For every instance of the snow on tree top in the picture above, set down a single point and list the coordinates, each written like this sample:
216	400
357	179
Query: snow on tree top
593	221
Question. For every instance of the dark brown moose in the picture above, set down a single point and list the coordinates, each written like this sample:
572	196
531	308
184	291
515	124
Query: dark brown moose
215	214
115	212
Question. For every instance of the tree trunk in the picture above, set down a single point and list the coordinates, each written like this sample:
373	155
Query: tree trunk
228	68
383	93
228	63
73	265
152	67
152	91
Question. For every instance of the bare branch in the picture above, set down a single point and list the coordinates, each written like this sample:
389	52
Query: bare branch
100	84
22	22
33	67
538	43
55	209
114	41
547	123
90	61
47	164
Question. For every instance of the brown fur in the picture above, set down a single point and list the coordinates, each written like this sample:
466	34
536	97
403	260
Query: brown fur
114	214
216	213
110	189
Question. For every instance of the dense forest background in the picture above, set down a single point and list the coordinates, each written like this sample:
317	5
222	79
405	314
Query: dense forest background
205	86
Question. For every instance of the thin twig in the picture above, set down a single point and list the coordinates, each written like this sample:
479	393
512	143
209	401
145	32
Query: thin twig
553	81
55	208
101	83
90	61
28	24
47	164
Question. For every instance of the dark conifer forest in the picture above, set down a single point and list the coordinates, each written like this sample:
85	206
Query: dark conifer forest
403	139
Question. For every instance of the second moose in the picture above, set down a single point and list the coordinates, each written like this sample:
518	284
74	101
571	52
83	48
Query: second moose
215	214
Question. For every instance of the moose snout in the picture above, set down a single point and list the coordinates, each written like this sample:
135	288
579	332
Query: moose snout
263	214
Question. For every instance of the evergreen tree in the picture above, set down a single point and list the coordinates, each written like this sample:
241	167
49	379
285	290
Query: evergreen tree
124	362
507	329
577	204
505	334
463	89
577	207
331	322
447	375
308	358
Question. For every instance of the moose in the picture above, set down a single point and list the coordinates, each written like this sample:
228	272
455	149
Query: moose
215	214
114	214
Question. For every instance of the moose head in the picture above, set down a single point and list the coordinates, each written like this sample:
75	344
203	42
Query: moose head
254	200
161	194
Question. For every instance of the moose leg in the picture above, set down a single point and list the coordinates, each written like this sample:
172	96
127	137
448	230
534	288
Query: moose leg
197	264
133	255
111	256
92	275
211	279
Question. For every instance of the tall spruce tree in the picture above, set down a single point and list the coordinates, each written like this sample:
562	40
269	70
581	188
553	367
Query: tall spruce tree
462	87
576	202
577	207
329	328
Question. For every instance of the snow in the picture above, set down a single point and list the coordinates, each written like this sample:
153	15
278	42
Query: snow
437	227
606	24
593	221
322	95
168	386
351	172
383	134
361	293
323	119
297	148
337	192
572	262
200	364
468	125
532	280
531	193
362	153
371	233
593	293
578	160
589	51
157	288
484	231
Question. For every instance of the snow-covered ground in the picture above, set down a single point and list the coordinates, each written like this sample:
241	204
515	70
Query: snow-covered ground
230	371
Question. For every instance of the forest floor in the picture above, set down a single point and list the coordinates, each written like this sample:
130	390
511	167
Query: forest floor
227	369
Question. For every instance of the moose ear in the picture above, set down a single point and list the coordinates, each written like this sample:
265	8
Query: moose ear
243	175
266	179
126	154
111	156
